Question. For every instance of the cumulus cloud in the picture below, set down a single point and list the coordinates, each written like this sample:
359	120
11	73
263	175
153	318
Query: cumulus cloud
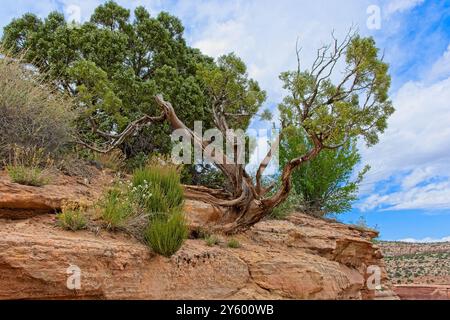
432	196
264	33
412	161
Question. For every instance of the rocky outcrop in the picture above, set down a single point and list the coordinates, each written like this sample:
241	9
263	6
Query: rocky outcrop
422	292
300	258
20	202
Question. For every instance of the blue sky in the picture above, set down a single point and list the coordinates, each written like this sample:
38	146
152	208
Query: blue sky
407	192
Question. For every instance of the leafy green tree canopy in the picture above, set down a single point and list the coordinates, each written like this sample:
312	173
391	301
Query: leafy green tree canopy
325	184
114	66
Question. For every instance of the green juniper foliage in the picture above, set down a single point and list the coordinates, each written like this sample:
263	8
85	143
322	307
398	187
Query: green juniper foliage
114	66
319	114
358	106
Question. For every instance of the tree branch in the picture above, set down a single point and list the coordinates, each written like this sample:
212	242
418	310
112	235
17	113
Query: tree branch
117	139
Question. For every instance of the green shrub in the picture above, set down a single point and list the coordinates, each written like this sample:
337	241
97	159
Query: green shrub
157	189
72	219
166	235
234	244
28	176
149	208
116	208
212	241
138	161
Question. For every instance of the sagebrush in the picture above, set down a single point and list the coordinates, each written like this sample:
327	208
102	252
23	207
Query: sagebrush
32	113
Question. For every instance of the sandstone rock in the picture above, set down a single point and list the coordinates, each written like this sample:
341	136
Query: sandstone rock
300	258
273	263
422	292
20	202
35	257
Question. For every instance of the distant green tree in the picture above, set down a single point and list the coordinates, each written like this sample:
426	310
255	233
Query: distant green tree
324	185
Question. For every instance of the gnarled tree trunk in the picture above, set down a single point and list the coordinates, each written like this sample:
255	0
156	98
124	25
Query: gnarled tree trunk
248	202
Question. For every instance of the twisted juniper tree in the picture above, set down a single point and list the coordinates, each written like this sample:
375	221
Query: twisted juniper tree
330	113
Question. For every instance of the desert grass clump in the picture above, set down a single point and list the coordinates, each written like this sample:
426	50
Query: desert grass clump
34	177
212	241
165	235
149	208
28	166
116	208
157	189
32	112
233	244
72	217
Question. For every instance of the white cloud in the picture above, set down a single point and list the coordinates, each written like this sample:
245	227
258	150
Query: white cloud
418	134
413	156
433	196
417	176
440	68
395	6
264	33
426	240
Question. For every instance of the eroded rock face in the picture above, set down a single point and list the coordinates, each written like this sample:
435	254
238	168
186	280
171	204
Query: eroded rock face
301	258
21	202
274	262
422	292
